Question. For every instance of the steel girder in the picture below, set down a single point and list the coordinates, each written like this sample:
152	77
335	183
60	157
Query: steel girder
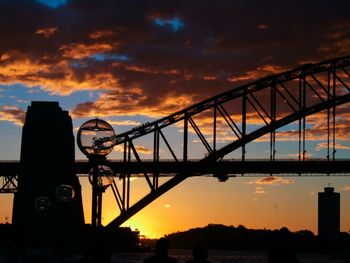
301	90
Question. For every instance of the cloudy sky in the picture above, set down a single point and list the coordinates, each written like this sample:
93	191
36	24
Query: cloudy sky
135	61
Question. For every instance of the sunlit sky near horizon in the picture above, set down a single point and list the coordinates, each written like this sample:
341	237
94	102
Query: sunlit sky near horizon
131	62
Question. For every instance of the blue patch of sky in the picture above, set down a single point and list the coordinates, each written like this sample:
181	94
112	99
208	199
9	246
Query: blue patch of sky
104	57
77	64
175	23
10	139
53	3
141	119
21	96
100	57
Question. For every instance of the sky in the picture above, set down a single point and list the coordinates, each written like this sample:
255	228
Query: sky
131	62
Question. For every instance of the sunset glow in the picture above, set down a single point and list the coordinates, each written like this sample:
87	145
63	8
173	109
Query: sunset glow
135	62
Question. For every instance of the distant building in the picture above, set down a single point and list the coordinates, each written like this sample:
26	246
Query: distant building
47	161
329	215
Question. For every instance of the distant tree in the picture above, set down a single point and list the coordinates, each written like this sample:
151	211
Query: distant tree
284	230
305	233
241	227
216	236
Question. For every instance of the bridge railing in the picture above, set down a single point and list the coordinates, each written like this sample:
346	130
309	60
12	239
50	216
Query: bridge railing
9	184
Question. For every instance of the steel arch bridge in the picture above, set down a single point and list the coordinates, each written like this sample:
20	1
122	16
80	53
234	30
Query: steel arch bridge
275	101
227	123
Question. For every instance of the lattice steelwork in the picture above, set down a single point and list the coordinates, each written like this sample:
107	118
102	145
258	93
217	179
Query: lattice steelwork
9	177
277	100
8	184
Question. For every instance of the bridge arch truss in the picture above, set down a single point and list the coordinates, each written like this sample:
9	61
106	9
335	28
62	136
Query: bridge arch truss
248	113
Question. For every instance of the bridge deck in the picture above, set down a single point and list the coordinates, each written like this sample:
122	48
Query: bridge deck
196	167
228	167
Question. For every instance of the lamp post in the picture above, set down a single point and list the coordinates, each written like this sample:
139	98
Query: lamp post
64	194
96	140
104	180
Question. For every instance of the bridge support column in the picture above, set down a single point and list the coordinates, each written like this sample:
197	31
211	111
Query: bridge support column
47	162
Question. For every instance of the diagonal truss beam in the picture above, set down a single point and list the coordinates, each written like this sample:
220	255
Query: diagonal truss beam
246	94
276	125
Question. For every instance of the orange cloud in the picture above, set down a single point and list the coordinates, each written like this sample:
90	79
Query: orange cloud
124	123
102	34
345	187
209	78
339	39
18	67
81	50
12	114
5	56
131	102
150	70
162	76
272	180
59	78
261	26
46	32
259	190
139	148
142	149
338	145
260	72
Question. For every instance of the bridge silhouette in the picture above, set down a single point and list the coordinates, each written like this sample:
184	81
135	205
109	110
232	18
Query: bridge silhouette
224	126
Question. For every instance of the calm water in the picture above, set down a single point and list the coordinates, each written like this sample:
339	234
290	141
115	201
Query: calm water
181	255
223	257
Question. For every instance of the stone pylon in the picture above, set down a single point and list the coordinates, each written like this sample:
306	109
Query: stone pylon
47	161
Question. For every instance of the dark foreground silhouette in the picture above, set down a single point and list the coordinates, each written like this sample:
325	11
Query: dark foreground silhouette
200	254
221	237
281	253
161	253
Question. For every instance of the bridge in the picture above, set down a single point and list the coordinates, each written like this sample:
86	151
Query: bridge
222	170
223	127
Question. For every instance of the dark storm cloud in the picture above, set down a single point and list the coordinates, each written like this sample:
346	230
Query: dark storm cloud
149	67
